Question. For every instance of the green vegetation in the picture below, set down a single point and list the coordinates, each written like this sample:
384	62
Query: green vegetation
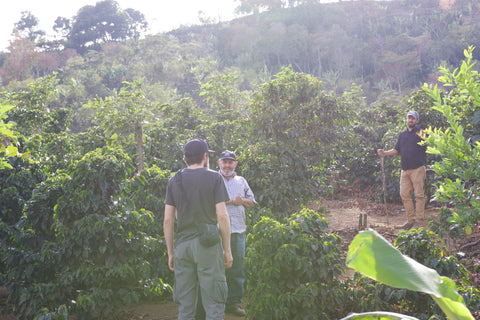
91	131
293	269
458	143
375	257
372	256
7	147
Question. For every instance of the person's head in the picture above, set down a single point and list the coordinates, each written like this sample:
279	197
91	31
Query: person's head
412	119
195	152
227	163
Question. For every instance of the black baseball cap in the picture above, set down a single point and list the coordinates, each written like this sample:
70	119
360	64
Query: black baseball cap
196	147
228	155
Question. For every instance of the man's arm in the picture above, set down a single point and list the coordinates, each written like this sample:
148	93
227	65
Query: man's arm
247	201
240	201
390	152
224	227
168	229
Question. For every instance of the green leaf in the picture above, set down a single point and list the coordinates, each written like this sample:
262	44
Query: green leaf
372	255
4	108
12	151
378	316
468	230
102	249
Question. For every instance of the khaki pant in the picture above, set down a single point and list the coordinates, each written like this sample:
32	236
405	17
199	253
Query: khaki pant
199	269
413	180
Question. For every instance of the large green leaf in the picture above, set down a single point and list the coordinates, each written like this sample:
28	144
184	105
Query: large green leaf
372	255
378	316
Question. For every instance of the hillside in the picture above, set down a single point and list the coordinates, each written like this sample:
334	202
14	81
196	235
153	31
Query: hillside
388	47
382	45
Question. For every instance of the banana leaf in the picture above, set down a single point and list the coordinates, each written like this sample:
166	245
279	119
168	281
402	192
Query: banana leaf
373	256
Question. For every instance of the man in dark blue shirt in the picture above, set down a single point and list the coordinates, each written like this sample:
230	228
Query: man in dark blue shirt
413	161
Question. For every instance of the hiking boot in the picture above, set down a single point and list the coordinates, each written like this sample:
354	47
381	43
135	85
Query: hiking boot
407	225
422	223
417	226
235	310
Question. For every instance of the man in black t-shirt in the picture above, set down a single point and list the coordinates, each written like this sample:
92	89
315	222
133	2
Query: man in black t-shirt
413	161
196	195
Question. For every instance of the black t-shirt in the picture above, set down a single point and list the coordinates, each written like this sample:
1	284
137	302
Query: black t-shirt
412	154
195	203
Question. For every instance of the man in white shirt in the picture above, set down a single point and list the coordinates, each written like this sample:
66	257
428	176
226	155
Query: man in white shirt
241	197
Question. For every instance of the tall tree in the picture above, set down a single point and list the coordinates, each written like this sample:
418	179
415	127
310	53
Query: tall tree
256	6
28	27
104	22
62	26
138	23
18	61
123	117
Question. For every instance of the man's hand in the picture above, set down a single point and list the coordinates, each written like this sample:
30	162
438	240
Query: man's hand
228	260
224	227
170	263
383	153
237	201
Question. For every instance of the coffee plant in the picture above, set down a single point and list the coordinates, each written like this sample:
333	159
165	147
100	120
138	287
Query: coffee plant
295	130
83	243
293	269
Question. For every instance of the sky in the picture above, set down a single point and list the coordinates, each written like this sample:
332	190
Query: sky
161	15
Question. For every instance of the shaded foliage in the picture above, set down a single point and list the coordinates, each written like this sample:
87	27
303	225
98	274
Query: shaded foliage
82	224
296	129
84	241
293	269
28	26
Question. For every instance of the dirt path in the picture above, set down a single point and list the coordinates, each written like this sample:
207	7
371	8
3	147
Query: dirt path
164	310
343	214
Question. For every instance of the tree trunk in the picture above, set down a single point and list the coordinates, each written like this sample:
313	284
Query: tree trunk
139	141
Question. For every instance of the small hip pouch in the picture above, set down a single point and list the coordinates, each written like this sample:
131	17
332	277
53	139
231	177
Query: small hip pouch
208	234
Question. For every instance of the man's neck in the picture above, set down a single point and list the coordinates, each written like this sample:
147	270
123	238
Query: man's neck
196	166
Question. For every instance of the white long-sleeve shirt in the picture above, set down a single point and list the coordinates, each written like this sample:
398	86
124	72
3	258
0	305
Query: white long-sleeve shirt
237	186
